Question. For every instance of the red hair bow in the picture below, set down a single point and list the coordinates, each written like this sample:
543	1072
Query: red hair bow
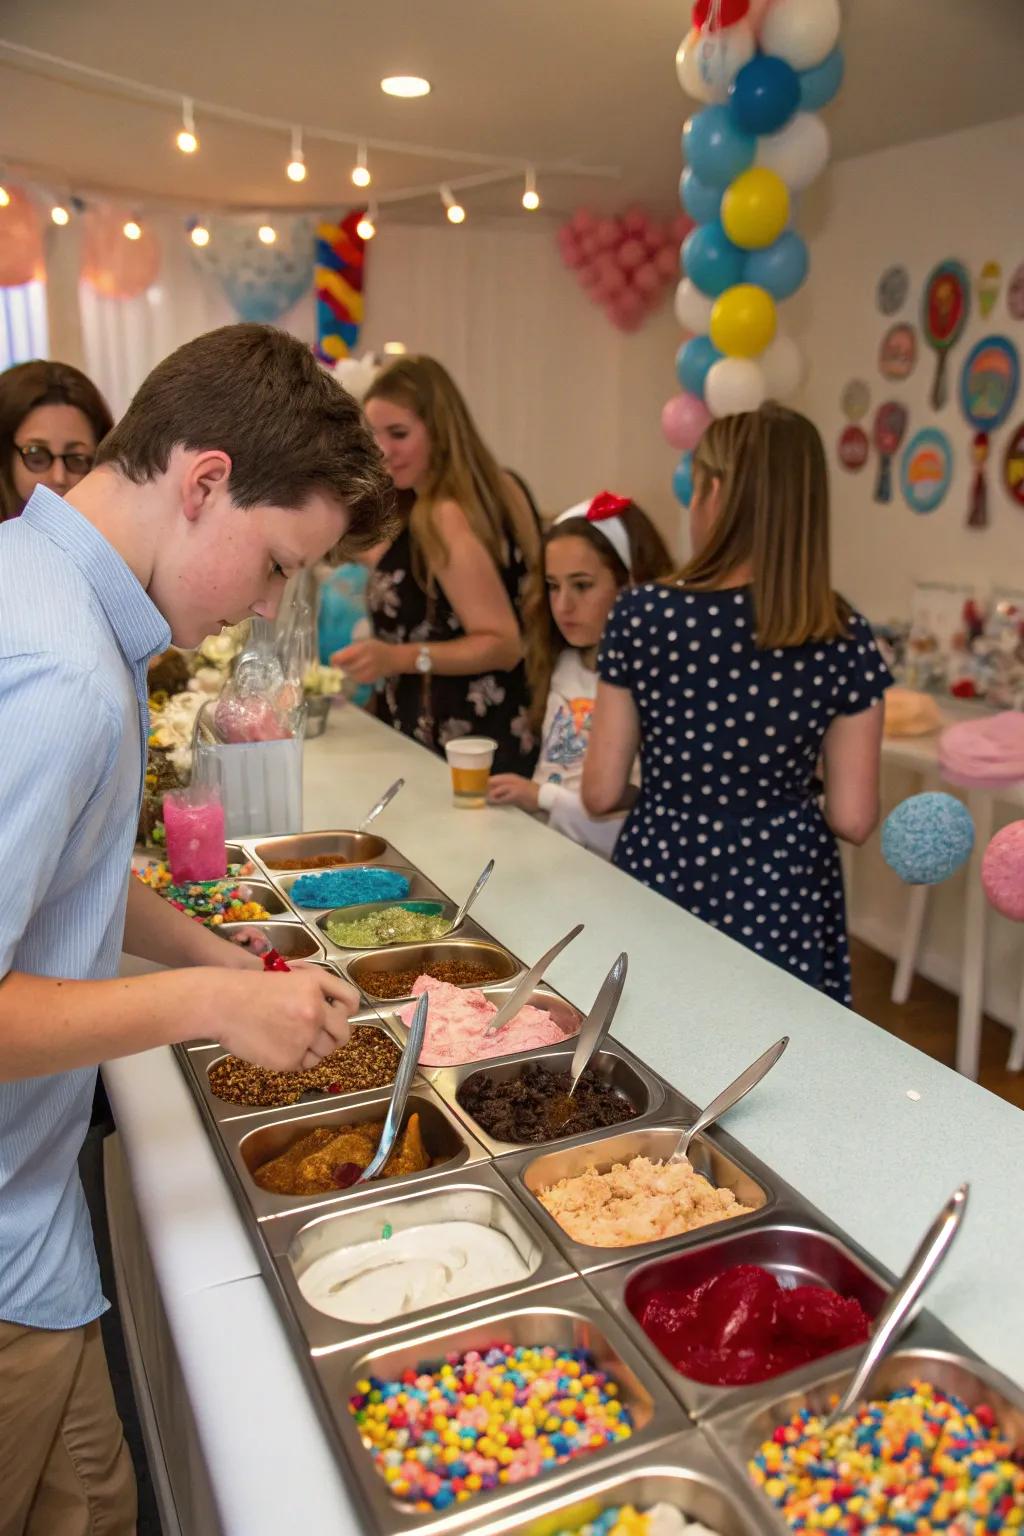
605	504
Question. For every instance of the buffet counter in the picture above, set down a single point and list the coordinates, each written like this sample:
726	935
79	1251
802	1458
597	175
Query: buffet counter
872	1133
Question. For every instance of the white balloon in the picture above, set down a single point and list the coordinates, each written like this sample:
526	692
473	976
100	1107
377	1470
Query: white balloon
782	364
802	32
708	62
693	308
734	385
798	153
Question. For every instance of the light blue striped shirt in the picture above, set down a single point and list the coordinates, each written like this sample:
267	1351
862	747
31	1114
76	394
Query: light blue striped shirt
76	632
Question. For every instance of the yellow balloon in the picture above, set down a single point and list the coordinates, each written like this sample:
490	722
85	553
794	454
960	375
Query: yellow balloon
743	320
755	208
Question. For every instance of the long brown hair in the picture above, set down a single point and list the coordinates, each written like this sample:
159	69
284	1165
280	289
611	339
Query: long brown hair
649	560
29	385
462	470
772	514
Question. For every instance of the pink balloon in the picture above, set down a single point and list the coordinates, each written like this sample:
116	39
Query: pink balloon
588	274
615	280
683	421
589	246
654	239
608	233
583	221
634	221
680	227
630	303
667	262
631	255
647	279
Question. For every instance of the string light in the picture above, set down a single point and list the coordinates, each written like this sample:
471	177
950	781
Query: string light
5	198
405	85
394	349
267	233
531	197
200	235
186	140
132	230
367	226
59	214
455	211
360	171
297	163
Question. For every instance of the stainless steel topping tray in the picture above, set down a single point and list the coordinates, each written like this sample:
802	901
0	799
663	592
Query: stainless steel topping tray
739	1435
349	846
420	888
448	909
539	1168
683	1471
795	1253
565	1315
291	937
567	1018
200	1061
252	1139
476	1194
419	956
616	1066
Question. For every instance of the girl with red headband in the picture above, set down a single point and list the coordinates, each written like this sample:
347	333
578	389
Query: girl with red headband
591	553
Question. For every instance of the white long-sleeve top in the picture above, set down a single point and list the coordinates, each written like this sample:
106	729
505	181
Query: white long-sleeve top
559	770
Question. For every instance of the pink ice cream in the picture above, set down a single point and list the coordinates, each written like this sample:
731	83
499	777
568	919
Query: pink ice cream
459	1017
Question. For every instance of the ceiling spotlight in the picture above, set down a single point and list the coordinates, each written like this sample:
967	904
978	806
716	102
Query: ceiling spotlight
455	211
405	85
394	349
59	214
531	197
186	140
267	233
200	235
367	226
297	163
360	171
132	230
5	198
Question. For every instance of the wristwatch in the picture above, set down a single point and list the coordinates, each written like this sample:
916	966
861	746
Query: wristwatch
424	660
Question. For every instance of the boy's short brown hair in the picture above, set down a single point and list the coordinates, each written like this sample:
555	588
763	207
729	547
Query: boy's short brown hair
259	395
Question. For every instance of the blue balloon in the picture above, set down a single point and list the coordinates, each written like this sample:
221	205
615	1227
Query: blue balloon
764	95
711	261
693	360
701	203
682	480
716	149
781	267
819	85
927	838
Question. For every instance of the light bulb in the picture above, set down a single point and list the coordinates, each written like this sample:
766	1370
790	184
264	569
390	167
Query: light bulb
366	228
200	235
132	230
394	348
531	197
405	85
296	170
456	214
5	198
267	233
187	142
60	215
361	176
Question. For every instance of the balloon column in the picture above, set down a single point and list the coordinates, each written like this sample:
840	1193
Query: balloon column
763	68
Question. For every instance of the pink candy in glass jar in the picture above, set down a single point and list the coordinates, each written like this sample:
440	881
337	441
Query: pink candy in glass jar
194	823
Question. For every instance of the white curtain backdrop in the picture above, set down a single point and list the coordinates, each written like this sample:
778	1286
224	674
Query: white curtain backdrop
560	395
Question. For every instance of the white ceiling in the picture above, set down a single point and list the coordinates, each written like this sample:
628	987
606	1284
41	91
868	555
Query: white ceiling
546	80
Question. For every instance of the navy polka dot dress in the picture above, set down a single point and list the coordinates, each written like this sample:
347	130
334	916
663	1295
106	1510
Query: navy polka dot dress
727	824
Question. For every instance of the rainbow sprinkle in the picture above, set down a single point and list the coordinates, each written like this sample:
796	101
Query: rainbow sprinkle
917	1461
440	1434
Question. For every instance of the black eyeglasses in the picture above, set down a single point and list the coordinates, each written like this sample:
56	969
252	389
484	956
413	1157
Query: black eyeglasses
37	460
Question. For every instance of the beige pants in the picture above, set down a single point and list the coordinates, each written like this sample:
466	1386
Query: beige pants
64	1465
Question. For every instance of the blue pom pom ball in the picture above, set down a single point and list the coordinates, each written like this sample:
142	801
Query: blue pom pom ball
927	838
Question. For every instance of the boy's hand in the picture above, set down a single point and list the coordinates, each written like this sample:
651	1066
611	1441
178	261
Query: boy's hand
283	1021
513	789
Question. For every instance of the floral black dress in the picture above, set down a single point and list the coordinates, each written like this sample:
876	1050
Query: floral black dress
435	710
728	823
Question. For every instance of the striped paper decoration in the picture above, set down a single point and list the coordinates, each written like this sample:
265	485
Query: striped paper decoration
338	278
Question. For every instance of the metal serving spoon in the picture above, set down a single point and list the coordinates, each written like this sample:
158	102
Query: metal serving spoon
525	987
593	1032
384	801
736	1090
400	1091
463	912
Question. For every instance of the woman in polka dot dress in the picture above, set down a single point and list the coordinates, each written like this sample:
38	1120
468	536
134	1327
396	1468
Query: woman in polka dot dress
738	681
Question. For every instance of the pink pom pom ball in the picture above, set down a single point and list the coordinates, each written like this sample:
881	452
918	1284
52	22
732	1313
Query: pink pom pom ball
1002	871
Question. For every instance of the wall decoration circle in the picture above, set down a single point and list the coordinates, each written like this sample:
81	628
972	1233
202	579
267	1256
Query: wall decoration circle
893	287
926	469
897	355
853	448
989	381
855	401
1013	465
1015	294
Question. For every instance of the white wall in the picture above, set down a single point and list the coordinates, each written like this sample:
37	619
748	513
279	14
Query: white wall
959	197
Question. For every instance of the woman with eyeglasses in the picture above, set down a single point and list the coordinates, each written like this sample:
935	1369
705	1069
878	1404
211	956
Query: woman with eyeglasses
52	420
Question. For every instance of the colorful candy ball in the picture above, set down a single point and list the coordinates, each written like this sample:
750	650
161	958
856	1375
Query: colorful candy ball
927	838
1002	871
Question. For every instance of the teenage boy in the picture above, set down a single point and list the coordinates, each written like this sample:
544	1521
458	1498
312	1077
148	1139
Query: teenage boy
238	463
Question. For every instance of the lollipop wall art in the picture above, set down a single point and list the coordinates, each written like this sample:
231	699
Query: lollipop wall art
889	429
944	309
989	383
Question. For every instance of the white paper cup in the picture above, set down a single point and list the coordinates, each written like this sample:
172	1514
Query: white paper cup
470	759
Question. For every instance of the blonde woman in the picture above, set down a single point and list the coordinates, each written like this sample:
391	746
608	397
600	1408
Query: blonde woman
735	681
445	598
